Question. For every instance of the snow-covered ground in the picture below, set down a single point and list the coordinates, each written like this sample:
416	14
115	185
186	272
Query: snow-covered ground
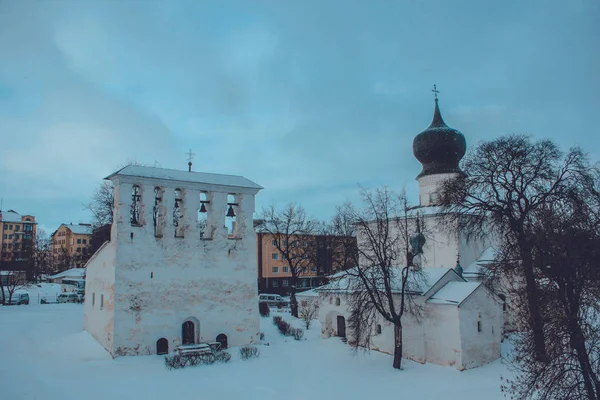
44	354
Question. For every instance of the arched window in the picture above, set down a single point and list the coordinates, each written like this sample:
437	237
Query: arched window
231	216
203	214
156	212
178	213
162	346
222	339
378	329
337	301
135	205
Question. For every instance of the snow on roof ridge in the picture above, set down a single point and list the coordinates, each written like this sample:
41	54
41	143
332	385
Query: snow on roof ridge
454	292
69	272
186	176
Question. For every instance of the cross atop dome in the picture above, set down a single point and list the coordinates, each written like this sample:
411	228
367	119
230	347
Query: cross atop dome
435	92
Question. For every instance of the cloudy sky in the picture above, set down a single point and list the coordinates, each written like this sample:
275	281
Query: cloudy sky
307	98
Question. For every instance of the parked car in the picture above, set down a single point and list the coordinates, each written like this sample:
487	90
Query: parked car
68	298
19	298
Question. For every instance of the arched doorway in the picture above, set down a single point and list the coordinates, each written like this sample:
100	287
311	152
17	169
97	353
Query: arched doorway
188	333
341	326
162	346
222	338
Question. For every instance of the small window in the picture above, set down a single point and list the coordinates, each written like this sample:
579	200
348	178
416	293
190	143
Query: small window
78	241
5	236
101	301
275	283
284	283
275	256
275	270
337	301
503	298
17	227
84	241
285	243
274	242
286	269
378	329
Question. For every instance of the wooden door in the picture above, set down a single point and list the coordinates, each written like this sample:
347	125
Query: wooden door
341	326
162	346
187	332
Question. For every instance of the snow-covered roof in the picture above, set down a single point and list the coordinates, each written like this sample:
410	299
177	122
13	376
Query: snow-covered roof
186	176
475	268
13	216
80	229
420	283
454	292
69	272
308	293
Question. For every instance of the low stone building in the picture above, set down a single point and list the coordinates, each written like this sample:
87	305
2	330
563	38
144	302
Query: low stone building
460	323
180	267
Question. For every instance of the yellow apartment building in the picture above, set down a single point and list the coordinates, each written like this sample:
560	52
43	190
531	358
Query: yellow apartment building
17	235
70	245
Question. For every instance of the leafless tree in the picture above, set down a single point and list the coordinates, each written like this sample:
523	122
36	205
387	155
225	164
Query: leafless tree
509	180
102	204
12	281
309	311
292	232
41	255
566	250
390	236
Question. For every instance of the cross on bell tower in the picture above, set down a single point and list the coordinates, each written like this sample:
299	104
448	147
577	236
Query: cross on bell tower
435	92
190	158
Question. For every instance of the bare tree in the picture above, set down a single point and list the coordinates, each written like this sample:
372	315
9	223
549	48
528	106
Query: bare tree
41	255
309	310
293	236
102	204
509	179
382	286
566	236
13	281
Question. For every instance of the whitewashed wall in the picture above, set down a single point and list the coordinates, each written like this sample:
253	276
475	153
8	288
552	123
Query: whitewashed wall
100	280
442	335
479	348
162	282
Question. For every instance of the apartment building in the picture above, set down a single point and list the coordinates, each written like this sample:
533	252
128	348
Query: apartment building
274	275
17	235
70	245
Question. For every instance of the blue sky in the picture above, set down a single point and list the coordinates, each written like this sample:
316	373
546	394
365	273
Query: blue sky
308	98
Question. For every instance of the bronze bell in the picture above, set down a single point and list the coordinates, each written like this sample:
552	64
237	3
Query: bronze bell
202	208
230	212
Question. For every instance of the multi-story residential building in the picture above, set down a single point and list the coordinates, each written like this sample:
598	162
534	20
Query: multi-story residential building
70	245
17	236
274	275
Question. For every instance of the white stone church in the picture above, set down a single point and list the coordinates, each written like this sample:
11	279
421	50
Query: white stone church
462	320
180	267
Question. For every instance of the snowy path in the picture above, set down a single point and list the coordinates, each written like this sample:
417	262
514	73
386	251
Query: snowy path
45	355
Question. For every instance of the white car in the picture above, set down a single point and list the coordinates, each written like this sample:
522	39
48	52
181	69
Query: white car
68	298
